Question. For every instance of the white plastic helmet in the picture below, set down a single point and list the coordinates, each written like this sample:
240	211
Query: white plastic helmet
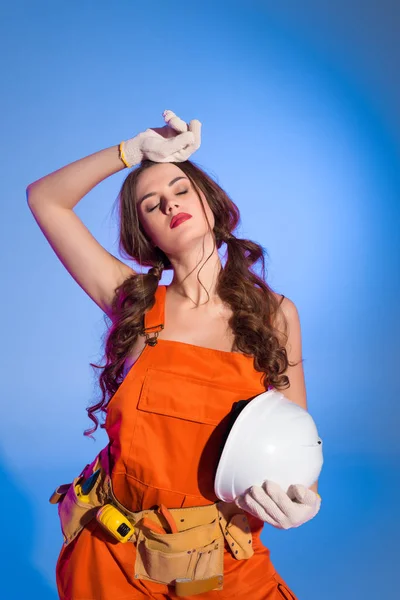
271	438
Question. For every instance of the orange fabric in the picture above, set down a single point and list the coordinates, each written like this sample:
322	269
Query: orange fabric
166	423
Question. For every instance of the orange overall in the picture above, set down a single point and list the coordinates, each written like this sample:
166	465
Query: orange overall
166	424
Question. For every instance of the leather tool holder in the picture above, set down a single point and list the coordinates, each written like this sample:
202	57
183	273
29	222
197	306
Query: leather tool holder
74	514
236	530
191	558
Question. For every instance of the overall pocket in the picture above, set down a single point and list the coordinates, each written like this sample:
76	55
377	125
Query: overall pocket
283	589
285	593
193	554
181	418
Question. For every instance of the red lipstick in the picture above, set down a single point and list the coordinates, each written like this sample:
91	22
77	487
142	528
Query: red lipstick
179	218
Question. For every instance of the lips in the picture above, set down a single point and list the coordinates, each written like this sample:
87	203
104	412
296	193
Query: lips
179	218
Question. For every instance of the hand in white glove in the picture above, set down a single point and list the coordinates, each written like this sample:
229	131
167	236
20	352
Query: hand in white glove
283	510
174	142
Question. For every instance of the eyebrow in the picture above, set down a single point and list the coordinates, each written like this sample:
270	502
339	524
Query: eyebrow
154	193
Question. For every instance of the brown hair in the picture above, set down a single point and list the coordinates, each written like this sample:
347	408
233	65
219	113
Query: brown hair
253	303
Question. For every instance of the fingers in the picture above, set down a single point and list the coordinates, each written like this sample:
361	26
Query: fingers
278	495
178	147
269	501
175	122
247	503
273	490
185	152
174	149
195	128
299	493
153	132
179	125
293	512
271	504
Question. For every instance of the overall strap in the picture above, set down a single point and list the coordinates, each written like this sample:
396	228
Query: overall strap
154	318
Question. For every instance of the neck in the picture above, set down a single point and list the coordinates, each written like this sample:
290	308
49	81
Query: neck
189	269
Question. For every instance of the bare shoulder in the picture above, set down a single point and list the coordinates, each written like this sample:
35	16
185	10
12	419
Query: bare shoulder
286	306
296	392
287	316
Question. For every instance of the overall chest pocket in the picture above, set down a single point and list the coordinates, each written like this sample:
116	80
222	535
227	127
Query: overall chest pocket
179	426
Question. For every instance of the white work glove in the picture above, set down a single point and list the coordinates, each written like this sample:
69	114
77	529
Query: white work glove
272	504
174	142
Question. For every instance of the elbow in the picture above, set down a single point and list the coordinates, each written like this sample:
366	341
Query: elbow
28	196
31	193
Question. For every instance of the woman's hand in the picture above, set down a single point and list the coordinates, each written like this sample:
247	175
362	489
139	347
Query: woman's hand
272	504
174	142
174	125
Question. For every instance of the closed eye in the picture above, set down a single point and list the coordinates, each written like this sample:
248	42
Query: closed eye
154	207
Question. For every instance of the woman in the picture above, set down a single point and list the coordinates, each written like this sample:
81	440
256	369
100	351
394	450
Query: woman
178	358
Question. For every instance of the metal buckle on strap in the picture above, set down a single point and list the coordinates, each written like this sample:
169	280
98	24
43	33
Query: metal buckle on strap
151	340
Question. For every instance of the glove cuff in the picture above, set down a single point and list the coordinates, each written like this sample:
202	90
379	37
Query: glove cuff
130	153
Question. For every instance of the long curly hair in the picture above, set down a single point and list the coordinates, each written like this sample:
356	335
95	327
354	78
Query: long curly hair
253	303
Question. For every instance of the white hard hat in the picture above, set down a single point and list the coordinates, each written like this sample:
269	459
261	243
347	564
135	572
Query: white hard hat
271	438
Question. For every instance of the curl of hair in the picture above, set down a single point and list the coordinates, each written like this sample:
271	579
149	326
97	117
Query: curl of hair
253	303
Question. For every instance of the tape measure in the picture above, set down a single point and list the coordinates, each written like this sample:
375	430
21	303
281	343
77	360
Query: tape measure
115	522
109	517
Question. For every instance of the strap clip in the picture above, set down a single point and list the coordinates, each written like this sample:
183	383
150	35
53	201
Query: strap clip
151	334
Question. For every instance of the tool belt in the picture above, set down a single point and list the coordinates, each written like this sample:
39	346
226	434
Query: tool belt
183	547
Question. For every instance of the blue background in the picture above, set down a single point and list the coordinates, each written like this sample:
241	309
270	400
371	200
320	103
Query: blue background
301	126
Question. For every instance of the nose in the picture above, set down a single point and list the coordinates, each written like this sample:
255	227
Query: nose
170	203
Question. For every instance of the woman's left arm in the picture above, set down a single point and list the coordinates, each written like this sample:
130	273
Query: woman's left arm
296	392
269	502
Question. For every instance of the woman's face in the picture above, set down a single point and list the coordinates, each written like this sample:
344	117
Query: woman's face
163	191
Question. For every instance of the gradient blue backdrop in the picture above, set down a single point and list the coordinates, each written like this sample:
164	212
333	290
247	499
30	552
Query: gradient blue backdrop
299	105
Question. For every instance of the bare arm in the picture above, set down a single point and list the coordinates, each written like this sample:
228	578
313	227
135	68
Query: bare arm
52	199
296	392
66	186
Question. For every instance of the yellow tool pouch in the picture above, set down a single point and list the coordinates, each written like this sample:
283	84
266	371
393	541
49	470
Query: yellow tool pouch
76	511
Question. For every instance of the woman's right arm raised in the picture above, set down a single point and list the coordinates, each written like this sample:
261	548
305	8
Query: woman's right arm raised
52	199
